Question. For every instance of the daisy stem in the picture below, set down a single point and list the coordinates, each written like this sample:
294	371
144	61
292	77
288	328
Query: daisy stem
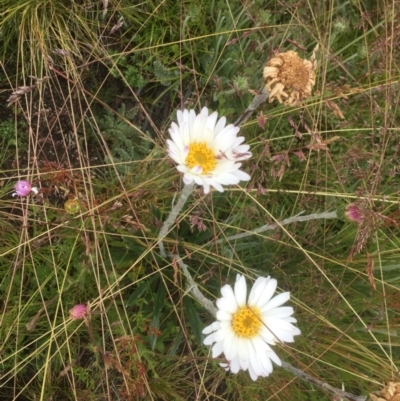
325	386
194	288
187	190
257	100
272	226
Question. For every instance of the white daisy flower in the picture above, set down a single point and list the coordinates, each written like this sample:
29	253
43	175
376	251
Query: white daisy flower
206	151
244	330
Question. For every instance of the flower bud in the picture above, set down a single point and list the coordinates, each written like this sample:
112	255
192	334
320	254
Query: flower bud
354	213
24	188
78	311
72	206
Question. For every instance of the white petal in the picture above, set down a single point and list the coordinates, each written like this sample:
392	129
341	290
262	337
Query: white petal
252	373
219	336
224	366
230	346
175	135
224	316
241	175
206	187
264	289
196	171
242	149
266	363
187	179
257	290
175	153
212	327
296	331
227	179
234	365
274	302
179	116
255	369
289	319
274	358
242	348
204	111
228	131
212	120
227	292
236	142
198	128
192	119
240	290
215	185
244	364
267	335
226	323
209	339
278	329
282	335
226	305
198	180
281	312
259	345
224	141
263	292
183	169
217	349
224	166
220	125
184	132
207	136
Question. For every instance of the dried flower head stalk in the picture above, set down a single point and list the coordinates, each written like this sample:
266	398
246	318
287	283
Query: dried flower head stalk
368	221
16	95
290	78
22	90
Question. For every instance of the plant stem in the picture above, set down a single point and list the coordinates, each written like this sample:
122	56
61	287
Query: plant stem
257	100
272	226
194	288
187	190
325	386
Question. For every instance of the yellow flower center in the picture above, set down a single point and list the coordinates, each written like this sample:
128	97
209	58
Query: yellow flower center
201	155
246	322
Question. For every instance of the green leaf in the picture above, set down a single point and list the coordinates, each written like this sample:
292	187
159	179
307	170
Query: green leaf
195	322
160	301
140	290
176	343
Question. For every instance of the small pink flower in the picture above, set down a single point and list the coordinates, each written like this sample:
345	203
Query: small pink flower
78	311
354	213
24	188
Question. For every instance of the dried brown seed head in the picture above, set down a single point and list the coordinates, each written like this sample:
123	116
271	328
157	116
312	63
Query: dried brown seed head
289	77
